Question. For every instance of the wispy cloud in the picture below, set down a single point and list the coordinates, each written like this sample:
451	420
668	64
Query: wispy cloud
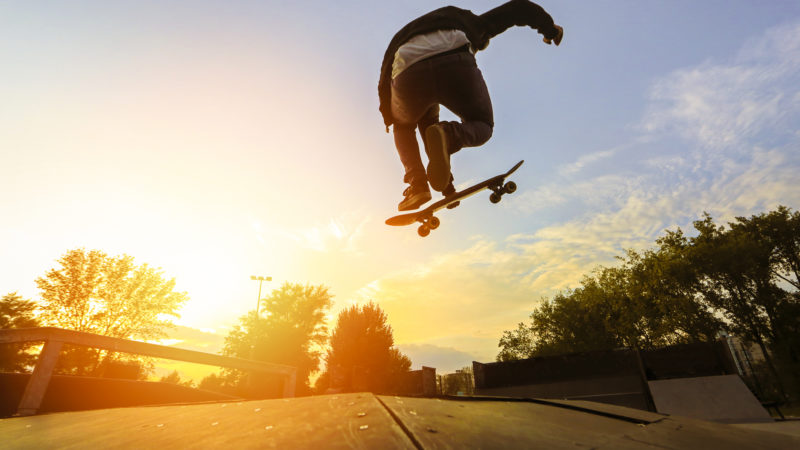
587	191
586	160
722	104
338	234
453	293
490	286
719	137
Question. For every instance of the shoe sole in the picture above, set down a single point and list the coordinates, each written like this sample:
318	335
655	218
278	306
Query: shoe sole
438	158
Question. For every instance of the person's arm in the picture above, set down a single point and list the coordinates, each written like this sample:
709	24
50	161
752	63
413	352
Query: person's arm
522	13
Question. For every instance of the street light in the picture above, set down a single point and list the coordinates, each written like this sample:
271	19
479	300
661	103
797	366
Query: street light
260	281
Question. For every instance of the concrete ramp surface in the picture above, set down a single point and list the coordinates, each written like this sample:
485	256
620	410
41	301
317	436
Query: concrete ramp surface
723	398
367	421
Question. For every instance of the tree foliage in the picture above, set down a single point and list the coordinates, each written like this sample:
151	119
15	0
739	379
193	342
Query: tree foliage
292	331
16	312
749	273
174	377
361	355
636	305
108	295
743	277
93	292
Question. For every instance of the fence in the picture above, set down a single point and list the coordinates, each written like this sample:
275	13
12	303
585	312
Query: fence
55	338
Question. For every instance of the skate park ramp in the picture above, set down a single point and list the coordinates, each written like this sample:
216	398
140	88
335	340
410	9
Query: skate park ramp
371	421
723	398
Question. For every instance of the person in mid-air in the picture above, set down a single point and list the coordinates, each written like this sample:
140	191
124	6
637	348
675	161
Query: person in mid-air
430	62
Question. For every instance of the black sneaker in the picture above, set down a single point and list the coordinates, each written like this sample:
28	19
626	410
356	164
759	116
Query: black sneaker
438	157
415	196
448	191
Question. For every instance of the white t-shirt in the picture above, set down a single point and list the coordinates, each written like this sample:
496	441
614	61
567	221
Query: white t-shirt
426	45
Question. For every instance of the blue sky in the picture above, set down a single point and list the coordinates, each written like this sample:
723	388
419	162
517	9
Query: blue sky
223	139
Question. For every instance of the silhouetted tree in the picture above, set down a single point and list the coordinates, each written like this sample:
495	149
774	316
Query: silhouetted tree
749	274
16	312
292	331
216	383
111	296
175	378
630	306
517	344
362	356
779	232
744	277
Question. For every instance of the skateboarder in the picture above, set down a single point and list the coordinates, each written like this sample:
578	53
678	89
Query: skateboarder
430	62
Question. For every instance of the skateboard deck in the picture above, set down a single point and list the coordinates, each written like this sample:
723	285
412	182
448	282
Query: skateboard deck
429	221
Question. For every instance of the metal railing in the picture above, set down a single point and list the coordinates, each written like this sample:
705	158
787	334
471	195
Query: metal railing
55	338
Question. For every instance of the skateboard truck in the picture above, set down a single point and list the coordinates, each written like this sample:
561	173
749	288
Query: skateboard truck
428	223
498	190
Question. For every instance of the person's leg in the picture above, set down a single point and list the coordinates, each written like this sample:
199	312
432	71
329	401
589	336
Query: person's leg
411	92
460	88
405	140
417	193
463	91
430	117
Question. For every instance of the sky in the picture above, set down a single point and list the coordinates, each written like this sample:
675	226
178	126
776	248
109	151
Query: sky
219	140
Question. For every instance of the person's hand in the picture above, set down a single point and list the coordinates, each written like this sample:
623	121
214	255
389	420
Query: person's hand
557	38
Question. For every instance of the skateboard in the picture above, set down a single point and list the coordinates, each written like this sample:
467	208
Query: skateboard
497	184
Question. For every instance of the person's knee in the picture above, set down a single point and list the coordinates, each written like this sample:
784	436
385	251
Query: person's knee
486	132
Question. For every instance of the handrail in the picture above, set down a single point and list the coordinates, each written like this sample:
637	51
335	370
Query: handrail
54	338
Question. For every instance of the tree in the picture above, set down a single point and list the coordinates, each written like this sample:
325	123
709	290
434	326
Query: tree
16	312
106	295
292	332
648	301
779	233
174	377
216	383
663	279
632	306
744	278
517	344
748	273
361	355
570	322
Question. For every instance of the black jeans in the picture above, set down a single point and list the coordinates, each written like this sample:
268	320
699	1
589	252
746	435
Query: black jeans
453	81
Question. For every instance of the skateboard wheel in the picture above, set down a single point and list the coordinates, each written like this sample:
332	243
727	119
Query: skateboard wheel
424	230
510	187
495	197
434	223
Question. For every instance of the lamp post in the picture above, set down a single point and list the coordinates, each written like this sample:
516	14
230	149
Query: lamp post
260	281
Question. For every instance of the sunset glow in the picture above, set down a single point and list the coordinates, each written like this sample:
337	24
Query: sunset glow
221	140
